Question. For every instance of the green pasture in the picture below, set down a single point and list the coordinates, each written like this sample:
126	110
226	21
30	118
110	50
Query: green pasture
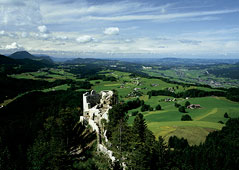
185	75
50	75
61	87
167	122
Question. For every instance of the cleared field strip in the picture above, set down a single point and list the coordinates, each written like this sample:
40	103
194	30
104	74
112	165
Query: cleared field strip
194	131
212	125
215	110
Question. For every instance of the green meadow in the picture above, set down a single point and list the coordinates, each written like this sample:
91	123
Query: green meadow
49	75
167	122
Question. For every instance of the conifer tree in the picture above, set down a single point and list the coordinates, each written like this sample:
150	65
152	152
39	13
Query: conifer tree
139	127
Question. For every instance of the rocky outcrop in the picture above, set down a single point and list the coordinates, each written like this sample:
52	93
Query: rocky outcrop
96	108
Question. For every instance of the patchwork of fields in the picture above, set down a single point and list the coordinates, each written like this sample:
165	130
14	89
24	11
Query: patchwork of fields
166	122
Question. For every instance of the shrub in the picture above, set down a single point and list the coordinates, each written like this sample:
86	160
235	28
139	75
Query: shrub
226	115
145	107
186	118
187	103
158	107
177	105
182	109
220	122
135	113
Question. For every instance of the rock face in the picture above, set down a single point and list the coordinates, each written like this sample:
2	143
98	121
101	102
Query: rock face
96	106
95	109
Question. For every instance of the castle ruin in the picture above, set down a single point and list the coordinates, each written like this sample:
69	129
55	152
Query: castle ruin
95	109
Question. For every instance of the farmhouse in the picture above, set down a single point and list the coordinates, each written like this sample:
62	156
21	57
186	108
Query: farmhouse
146	68
154	85
170	100
194	106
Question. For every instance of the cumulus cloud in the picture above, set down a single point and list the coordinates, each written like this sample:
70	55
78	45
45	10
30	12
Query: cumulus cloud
111	31
43	29
84	39
13	46
2	32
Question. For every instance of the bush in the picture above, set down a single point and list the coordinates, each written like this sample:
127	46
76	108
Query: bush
158	107
177	105
187	103
186	118
226	115
145	107
182	109
220	122
135	113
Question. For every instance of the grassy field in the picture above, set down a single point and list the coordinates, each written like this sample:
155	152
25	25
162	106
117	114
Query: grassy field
61	87
193	76
49	75
167	122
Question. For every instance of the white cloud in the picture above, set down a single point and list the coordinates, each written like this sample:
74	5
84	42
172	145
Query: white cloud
44	32
128	40
16	13
163	17
111	31
61	37
24	34
55	12
84	39
2	32
13	46
44	36
42	29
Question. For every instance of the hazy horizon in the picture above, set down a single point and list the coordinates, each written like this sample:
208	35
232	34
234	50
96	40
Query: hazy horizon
121	29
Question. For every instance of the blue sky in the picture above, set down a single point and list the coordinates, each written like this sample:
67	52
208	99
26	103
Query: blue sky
115	28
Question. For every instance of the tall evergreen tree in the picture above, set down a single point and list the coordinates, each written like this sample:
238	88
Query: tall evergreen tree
139	127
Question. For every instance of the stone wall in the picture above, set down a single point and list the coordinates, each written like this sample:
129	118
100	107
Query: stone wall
90	100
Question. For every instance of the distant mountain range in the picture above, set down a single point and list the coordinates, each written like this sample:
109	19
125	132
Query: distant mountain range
178	61
25	54
89	61
23	61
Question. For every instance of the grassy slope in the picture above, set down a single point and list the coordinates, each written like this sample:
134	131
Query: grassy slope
183	74
166	122
53	75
